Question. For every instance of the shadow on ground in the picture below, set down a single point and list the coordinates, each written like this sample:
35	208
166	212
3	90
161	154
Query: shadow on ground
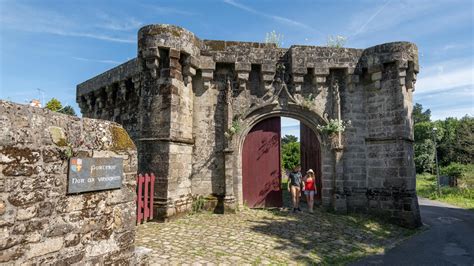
323	237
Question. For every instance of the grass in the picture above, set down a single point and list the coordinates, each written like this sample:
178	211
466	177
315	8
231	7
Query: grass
462	196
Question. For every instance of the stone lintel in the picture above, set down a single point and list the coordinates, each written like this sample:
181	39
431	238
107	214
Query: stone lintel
243	66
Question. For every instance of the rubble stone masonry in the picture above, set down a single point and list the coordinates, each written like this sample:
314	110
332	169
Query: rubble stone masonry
179	98
39	222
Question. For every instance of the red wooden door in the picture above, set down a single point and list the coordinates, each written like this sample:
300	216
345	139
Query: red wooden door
311	155
261	169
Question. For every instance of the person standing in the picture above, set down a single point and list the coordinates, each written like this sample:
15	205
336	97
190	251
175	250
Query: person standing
310	189
295	184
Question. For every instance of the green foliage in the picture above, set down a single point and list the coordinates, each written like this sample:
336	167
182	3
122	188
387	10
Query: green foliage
462	196
54	105
290	155
454	170
464	145
234	129
288	138
337	41
67	110
308	101
423	130
454	140
198	204
424	156
419	115
273	37
334	126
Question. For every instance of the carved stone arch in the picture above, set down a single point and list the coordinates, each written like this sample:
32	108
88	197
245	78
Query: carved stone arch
305	116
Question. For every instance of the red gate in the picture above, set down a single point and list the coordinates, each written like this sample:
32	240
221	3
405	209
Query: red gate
311	155
261	169
145	191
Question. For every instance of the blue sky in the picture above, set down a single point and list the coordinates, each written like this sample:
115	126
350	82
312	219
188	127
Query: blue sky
54	45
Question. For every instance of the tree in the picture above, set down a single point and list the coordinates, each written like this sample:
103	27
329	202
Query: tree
419	115
464	146
424	156
288	138
290	155
54	105
446	145
67	110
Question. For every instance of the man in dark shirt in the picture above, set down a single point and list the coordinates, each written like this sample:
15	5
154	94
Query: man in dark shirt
295	183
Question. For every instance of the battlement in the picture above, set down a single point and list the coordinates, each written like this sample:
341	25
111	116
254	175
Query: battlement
181	97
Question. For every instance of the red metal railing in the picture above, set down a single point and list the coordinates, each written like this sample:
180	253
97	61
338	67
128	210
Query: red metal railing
145	189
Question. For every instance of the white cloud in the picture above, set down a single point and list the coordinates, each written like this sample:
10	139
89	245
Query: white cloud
406	18
280	19
364	25
289	122
25	18
452	112
104	61
445	75
123	24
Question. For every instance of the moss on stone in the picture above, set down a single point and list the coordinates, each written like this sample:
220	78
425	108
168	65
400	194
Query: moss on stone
216	45
58	136
175	32
121	141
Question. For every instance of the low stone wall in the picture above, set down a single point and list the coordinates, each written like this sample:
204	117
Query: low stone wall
39	222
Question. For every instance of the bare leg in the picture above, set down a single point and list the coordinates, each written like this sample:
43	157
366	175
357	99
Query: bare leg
311	202
293	195
298	196
308	201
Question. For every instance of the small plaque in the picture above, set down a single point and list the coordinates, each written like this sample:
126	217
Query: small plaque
93	174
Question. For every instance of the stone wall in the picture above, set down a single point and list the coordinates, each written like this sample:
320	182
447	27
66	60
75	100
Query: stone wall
39	222
191	91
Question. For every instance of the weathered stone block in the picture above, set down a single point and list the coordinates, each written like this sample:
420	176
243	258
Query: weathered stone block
48	246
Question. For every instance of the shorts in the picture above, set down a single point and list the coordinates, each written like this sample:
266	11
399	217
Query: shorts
309	192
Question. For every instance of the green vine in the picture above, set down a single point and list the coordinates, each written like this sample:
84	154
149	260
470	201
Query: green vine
235	128
308	101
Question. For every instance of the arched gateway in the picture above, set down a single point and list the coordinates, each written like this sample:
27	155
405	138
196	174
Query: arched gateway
190	104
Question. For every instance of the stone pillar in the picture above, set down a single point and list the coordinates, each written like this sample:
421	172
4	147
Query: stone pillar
166	142
229	199
390	165
339	197
267	76
243	71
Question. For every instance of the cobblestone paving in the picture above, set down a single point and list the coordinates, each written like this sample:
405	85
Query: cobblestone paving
266	237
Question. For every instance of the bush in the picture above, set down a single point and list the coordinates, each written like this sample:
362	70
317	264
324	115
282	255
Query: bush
455	170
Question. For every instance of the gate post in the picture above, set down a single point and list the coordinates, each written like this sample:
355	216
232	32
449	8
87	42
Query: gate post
339	197
229	198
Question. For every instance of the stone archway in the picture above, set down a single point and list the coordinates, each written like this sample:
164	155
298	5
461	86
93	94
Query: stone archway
180	98
262	165
311	120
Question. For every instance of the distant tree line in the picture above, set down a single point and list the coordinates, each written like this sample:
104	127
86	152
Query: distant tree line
454	139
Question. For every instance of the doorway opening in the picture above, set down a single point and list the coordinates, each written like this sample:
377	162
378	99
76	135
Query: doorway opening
271	149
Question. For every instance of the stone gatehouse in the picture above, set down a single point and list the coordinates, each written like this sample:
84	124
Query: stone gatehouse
190	104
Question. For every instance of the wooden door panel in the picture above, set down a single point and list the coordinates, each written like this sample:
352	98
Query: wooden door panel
311	155
261	171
